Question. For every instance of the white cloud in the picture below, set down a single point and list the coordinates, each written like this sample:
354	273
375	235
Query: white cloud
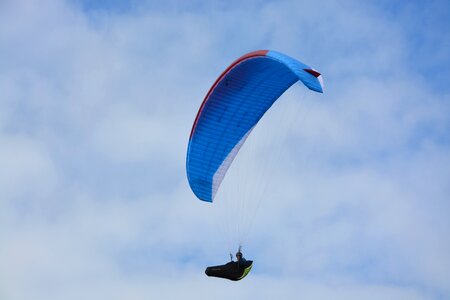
26	171
95	113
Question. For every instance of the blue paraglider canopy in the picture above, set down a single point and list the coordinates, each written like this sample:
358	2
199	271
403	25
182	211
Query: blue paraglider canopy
233	106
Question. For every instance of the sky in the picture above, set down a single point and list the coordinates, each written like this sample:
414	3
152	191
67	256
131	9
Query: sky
97	100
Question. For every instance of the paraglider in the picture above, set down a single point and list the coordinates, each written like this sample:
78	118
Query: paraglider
234	270
231	109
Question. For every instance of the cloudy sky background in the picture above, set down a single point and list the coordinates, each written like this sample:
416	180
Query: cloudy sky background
97	100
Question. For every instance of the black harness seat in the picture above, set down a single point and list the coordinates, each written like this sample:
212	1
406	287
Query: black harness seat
233	270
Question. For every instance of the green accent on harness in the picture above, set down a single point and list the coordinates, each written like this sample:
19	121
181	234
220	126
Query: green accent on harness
246	271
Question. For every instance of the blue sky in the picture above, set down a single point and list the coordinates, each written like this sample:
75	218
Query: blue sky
97	100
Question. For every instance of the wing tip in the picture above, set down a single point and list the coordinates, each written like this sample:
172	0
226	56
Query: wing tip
319	77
